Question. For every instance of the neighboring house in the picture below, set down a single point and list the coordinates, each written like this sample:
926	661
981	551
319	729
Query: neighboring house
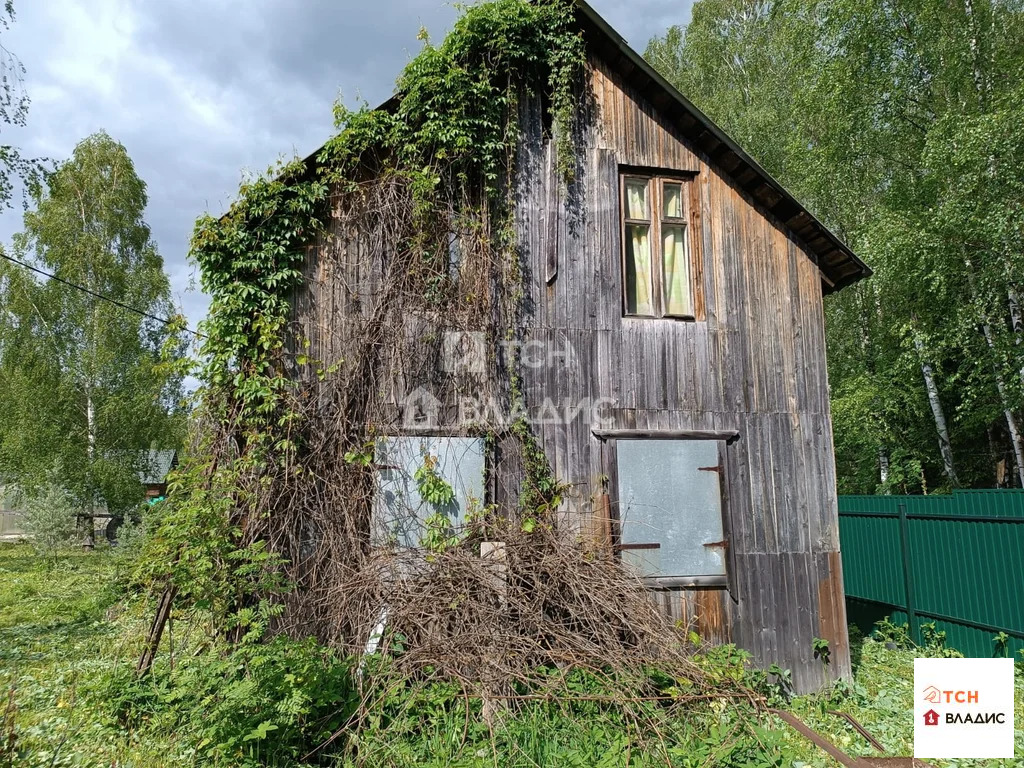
677	292
159	464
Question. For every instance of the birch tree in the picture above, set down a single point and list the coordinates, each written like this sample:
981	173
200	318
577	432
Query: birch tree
899	123
83	389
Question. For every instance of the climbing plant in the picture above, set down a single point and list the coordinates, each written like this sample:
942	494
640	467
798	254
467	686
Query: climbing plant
330	284
448	144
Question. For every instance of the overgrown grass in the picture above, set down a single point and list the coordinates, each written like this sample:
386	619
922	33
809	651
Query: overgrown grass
69	635
62	629
881	698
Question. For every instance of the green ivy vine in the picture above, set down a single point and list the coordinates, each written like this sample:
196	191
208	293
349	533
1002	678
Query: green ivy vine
451	131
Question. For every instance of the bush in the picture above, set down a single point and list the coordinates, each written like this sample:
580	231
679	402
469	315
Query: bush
136	528
261	702
49	518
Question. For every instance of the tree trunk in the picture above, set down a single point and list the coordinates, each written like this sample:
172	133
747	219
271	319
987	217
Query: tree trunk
1015	319
945	446
883	467
986	330
89	540
977	70
1011	420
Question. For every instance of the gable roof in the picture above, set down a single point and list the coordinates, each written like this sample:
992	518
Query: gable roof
158	463
838	264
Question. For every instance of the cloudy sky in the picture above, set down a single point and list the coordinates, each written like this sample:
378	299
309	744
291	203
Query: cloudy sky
199	91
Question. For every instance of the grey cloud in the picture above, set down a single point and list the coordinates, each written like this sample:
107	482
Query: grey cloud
198	91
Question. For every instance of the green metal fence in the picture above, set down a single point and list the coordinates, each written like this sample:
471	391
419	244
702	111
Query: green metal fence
955	560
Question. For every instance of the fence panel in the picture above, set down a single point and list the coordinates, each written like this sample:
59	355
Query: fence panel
955	560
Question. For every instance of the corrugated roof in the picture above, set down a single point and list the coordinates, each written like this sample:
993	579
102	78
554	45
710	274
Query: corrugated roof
158	464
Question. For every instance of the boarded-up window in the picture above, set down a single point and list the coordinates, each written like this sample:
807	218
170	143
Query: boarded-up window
670	507
656	265
401	512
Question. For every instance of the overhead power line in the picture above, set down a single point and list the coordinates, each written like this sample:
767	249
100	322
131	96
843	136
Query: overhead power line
100	296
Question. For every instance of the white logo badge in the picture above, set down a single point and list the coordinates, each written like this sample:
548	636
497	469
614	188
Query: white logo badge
963	708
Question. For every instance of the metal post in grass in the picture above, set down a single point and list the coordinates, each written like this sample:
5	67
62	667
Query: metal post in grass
908	575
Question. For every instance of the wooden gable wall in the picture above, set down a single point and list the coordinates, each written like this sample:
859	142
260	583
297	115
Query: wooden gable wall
755	366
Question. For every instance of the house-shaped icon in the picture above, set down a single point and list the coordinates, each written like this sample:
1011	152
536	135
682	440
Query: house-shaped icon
420	410
932	695
931	717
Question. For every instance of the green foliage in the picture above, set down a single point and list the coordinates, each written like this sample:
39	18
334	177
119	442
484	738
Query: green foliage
821	650
49	518
451	131
902	133
438	534
454	122
258	703
542	492
14	104
435	724
455	119
431	487
887	631
1001	640
85	389
67	646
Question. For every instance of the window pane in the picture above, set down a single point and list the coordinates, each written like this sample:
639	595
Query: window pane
676	271
666	499
636	199
673	201
638	270
400	513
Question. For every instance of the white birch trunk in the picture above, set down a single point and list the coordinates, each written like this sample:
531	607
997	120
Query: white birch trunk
89	541
1011	420
938	414
986	330
1015	318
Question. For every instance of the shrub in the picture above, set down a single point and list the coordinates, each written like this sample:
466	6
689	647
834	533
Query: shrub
49	518
260	702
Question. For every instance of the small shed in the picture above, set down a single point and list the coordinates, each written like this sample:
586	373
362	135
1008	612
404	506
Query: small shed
673	372
158	464
11	526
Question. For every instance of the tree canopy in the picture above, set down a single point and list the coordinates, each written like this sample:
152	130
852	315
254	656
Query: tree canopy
898	123
84	390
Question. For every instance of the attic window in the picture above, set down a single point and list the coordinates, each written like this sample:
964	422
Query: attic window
657	264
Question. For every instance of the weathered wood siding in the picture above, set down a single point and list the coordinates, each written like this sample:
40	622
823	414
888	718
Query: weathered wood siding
754	365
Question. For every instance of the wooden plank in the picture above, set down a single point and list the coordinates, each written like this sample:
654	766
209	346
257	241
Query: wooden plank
667	434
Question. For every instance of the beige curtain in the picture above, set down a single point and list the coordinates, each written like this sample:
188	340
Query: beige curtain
673	201
636	199
638	270
638	250
676	271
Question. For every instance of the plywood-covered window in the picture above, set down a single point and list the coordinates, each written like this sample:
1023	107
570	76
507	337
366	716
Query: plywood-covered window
423	481
670	509
658	257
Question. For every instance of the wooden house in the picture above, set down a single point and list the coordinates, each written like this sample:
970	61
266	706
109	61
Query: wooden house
679	298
